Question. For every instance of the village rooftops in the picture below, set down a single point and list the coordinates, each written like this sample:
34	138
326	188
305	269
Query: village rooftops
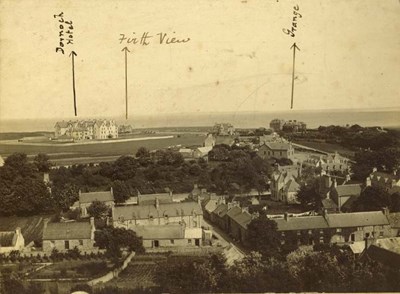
242	218
102	196
357	219
278	145
301	223
67	231
163	210
332	220
348	190
221	210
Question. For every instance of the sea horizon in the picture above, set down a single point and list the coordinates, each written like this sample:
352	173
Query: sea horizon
384	117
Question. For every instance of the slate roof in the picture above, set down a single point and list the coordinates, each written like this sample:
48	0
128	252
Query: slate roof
357	219
221	210
67	231
165	209
204	150
277	145
6	239
62	124
386	251
102	196
329	204
210	205
170	231
241	218
348	190
301	223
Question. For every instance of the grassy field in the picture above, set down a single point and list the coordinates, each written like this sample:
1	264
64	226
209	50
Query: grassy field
31	227
110	149
327	147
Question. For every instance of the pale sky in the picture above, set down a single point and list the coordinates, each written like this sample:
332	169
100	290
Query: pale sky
237	59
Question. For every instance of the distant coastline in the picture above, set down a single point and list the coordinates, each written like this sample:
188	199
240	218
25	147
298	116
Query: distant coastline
385	117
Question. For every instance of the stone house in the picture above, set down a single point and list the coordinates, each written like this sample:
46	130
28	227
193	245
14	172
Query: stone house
223	129
170	235
11	241
237	221
219	217
340	228
389	182
276	150
68	235
284	185
86	199
130	216
86	129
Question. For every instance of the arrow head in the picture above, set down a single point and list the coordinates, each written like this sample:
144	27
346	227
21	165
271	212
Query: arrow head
295	46
125	49
73	53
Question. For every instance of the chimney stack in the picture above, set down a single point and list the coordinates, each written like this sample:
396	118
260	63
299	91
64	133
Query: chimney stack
92	221
286	216
157	203
368	182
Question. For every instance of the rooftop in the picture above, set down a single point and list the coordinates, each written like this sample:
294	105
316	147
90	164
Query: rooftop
163	210
67	231
170	231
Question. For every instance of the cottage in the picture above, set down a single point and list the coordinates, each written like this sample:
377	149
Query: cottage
11	241
202	152
276	150
238	219
130	216
68	235
340	228
170	235
86	199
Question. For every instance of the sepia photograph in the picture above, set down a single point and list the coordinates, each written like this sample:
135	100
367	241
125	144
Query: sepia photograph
199	146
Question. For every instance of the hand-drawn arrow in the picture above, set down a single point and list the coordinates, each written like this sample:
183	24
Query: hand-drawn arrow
126	79
294	46
72	54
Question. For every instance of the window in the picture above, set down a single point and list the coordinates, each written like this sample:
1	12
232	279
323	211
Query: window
189	241
366	235
380	234
81	242
66	244
353	237
172	241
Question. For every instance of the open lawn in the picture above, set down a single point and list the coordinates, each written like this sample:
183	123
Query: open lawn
327	147
31	226
109	149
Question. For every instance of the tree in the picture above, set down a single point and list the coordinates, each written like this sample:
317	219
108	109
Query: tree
114	239
124	168
42	163
98	209
143	152
370	199
121	191
65	195
307	196
263	236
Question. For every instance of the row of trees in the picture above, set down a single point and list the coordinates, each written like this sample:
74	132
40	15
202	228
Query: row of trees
326	270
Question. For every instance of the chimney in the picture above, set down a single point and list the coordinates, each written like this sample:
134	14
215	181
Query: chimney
385	211
334	183
46	178
348	178
325	213
286	216
374	170
111	191
368	182
79	193
18	231
91	220
157	203
395	172
45	221
195	186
